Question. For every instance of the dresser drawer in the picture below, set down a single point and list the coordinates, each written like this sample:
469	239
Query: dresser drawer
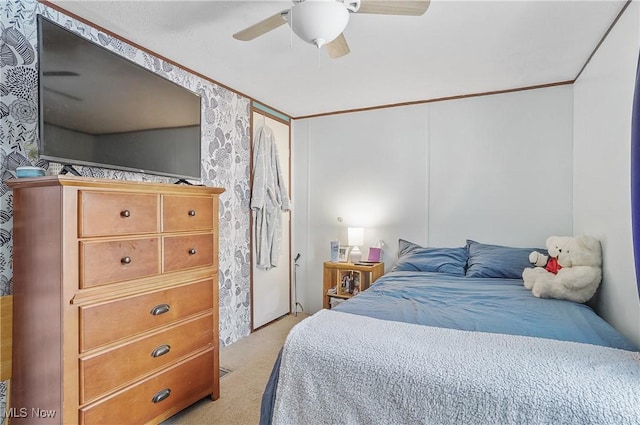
114	368
111	321
183	252
116	261
176	388
112	213
184	213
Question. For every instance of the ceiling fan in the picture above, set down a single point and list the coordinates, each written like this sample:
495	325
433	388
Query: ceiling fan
322	22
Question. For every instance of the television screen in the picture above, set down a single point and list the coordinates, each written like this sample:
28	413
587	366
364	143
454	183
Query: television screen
100	109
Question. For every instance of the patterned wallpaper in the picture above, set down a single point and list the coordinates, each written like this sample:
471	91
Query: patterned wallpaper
225	150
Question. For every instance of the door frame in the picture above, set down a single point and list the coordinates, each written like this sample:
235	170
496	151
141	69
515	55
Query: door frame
257	109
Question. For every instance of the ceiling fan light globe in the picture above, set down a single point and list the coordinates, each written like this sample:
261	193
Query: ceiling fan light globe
318	21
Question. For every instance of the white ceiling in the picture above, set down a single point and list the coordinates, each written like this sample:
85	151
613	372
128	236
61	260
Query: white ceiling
456	48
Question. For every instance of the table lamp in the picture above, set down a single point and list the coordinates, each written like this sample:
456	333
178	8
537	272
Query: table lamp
356	238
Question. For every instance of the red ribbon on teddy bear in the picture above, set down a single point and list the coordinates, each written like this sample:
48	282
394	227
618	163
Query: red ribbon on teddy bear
553	266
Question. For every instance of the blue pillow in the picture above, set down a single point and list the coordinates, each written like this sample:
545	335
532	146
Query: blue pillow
498	261
405	247
441	260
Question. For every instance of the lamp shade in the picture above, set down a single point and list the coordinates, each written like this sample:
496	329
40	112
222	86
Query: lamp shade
355	236
318	21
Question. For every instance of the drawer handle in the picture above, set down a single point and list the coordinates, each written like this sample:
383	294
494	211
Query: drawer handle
161	350
126	260
125	213
161	395
160	309
192	213
192	251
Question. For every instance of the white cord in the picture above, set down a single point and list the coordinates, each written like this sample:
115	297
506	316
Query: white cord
295	286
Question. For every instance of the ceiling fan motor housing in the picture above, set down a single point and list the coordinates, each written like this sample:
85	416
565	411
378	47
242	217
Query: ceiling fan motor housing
318	21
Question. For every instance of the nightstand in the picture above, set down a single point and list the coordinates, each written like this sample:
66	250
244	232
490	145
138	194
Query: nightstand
344	280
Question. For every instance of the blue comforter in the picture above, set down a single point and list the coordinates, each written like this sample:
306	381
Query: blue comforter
471	304
483	305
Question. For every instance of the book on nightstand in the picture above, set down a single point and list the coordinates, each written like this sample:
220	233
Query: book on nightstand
335	247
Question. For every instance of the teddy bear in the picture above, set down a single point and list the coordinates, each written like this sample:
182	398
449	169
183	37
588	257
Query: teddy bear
572	270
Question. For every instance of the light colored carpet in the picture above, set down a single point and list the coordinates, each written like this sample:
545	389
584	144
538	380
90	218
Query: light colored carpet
250	361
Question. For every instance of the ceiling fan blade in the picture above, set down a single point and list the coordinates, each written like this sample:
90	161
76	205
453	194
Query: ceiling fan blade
262	27
338	47
394	7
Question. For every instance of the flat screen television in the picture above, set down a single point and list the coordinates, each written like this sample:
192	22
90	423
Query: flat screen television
98	108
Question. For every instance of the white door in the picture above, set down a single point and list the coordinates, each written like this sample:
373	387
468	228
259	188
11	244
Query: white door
271	289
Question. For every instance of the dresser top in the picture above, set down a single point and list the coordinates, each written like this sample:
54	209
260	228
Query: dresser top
96	183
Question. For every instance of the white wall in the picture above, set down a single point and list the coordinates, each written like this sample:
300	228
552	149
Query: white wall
501	168
367	168
433	174
603	98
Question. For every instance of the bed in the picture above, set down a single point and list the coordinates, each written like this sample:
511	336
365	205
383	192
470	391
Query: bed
451	336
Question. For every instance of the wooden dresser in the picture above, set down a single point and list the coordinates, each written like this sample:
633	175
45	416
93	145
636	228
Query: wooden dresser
115	300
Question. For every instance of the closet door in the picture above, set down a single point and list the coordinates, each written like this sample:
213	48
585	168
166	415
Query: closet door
271	289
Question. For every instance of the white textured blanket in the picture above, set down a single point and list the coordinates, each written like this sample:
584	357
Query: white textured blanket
339	368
